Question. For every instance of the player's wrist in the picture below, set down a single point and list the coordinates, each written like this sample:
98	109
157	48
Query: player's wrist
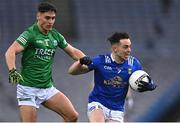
85	60
12	70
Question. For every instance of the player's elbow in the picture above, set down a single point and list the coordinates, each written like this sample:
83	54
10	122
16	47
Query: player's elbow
74	72
8	53
70	71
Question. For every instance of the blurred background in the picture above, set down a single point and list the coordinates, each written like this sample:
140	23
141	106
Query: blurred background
155	32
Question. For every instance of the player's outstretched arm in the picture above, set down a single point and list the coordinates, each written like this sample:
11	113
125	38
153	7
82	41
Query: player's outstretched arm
73	52
80	67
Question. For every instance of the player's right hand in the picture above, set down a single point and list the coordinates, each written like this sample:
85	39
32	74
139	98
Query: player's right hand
14	76
85	60
147	86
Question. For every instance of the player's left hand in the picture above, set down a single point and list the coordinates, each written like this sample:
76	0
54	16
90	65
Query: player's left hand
85	60
146	86
14	76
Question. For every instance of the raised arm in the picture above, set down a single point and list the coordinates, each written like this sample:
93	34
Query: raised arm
80	66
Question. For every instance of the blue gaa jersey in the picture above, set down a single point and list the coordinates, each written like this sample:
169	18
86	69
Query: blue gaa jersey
111	80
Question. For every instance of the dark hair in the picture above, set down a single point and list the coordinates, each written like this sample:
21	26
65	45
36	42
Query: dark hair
45	7
118	36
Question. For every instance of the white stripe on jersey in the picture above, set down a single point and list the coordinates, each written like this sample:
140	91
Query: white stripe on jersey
22	40
107	59
130	60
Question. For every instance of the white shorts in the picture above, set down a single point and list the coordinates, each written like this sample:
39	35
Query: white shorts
108	113
34	96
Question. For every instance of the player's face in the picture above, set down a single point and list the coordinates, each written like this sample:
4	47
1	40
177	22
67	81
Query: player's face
123	49
46	20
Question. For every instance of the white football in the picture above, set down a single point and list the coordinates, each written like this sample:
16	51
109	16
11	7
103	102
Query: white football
137	76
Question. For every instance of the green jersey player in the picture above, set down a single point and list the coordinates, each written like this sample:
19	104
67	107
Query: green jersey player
38	44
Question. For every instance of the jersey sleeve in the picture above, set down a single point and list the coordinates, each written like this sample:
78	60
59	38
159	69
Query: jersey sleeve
137	64
24	38
95	63
62	43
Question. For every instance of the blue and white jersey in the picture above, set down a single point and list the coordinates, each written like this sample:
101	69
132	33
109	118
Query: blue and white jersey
111	80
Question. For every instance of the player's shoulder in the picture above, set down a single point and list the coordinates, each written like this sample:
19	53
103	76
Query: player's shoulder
31	30
132	60
53	30
28	32
101	58
56	33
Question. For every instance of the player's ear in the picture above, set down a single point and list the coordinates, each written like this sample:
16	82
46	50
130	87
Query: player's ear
114	48
38	16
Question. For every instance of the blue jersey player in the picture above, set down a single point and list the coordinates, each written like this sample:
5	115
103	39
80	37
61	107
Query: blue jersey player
111	75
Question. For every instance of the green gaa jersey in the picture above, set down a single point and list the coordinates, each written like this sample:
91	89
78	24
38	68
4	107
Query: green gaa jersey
38	55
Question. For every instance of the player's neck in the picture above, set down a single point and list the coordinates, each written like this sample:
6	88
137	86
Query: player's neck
42	30
117	59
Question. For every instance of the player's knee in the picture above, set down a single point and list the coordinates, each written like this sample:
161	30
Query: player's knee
73	117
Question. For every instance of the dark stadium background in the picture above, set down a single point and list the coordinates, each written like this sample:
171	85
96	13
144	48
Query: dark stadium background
155	32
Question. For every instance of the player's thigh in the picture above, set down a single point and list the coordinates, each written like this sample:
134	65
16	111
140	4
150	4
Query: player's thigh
114	116
28	113
96	115
60	104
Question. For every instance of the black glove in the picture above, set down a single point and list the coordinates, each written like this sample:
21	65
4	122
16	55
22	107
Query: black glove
14	77
85	60
146	86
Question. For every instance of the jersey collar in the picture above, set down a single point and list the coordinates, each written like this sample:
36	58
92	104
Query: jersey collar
113	60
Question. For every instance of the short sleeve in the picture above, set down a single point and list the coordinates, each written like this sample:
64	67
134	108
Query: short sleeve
62	43
95	63
24	38
138	65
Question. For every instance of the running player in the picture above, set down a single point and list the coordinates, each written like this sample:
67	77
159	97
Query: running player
38	44
111	74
